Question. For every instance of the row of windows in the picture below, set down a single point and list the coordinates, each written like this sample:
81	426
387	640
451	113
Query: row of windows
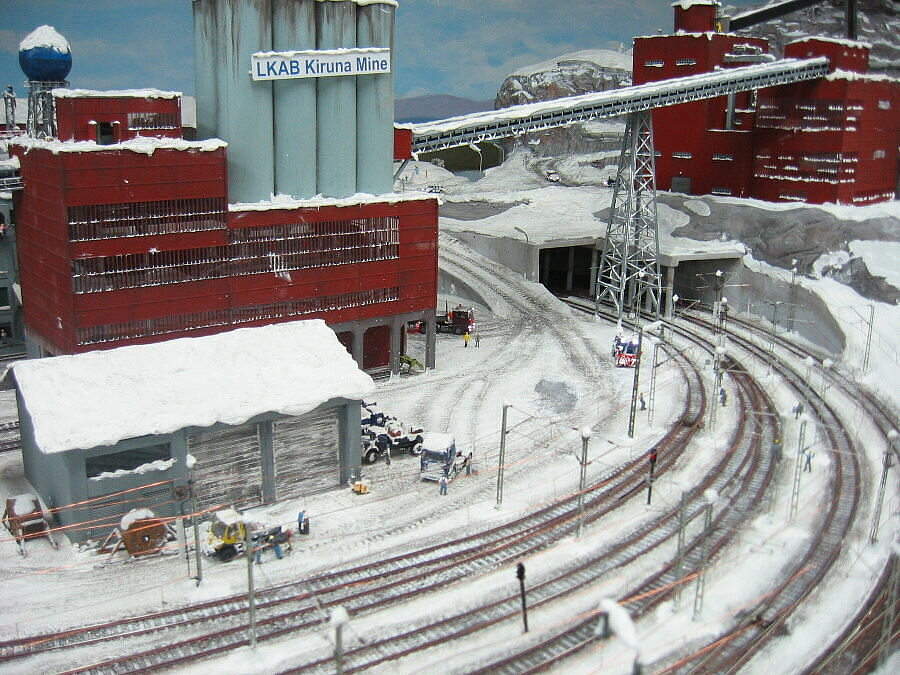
140	121
659	63
136	219
234	316
867	197
318	246
808	115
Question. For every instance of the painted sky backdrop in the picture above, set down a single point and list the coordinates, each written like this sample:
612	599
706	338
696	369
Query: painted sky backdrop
459	47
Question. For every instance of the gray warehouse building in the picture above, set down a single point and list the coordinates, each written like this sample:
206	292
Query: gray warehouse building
265	414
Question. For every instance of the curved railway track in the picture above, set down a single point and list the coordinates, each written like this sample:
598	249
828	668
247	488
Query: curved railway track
740	479
749	635
295	606
735	647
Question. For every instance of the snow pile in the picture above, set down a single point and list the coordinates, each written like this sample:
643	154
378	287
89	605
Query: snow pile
45	36
620	623
697	206
23	504
102	397
133	516
144	146
158	465
881	258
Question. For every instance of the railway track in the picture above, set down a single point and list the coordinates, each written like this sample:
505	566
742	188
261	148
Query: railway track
376	584
751	633
876	625
740	477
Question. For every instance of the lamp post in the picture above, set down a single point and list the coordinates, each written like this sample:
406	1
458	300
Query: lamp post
793	297
251	596
502	458
585	437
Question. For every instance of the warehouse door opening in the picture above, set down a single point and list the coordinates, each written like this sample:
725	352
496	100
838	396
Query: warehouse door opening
228	468
307	454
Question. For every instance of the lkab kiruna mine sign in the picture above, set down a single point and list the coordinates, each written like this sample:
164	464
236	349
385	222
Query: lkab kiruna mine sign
322	63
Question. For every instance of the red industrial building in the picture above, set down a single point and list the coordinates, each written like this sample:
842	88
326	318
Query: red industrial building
828	140
129	238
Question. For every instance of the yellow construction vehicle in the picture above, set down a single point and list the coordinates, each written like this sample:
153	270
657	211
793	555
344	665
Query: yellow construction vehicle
227	534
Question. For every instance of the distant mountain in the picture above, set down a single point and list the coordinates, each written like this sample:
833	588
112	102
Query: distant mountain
435	107
571	74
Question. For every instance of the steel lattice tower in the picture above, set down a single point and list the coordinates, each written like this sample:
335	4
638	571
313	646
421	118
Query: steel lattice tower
41	122
629	266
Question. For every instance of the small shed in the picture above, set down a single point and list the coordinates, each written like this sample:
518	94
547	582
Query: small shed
265	414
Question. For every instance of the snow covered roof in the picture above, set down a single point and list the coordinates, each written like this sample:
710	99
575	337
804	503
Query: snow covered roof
188	108
145	146
103	397
392	3
45	36
437	441
840	74
687	4
854	44
113	93
289	202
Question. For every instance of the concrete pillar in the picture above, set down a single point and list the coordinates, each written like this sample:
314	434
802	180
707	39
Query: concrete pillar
593	272
265	434
570	272
396	335
359	333
669	290
350	439
430	338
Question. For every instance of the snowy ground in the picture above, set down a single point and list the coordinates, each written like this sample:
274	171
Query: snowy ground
549	364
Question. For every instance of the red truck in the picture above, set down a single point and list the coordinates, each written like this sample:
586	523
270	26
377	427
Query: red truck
457	321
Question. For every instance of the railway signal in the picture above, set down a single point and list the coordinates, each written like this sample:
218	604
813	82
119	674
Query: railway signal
520	573
652	460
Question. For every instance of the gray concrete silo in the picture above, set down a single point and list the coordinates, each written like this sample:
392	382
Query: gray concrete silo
336	102
294	28
206	63
243	107
375	104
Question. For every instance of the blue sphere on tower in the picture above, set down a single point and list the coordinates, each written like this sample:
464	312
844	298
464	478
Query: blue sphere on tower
45	55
